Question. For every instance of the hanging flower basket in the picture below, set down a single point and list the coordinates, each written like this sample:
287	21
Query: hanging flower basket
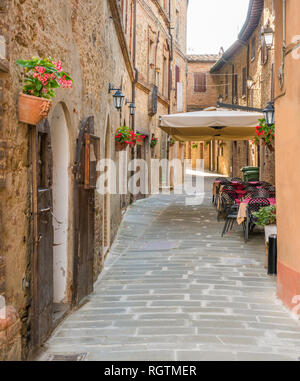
172	142
41	77
121	146
32	110
153	142
125	137
266	134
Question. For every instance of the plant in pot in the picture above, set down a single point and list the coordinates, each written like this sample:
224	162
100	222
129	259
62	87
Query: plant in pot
266	217
195	146
140	138
172	142
42	76
266	134
153	142
124	137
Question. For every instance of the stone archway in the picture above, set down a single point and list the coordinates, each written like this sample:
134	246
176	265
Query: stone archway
60	191
107	196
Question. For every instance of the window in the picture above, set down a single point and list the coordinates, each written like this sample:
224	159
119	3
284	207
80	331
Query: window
177	78
244	81
226	85
235	87
151	60
165	77
264	52
177	25
253	48
200	82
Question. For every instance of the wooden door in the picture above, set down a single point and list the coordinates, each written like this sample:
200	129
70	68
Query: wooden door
85	170
141	155
42	260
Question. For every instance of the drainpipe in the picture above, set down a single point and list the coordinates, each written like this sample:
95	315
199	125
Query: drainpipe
132	197
134	65
171	57
283	43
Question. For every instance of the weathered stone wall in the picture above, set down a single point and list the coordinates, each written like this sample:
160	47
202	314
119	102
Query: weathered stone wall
84	37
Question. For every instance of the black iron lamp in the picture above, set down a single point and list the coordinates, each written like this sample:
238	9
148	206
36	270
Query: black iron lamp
131	107
269	113
250	83
268	36
118	97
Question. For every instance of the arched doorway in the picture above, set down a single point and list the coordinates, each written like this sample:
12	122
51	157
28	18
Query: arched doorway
60	192
106	206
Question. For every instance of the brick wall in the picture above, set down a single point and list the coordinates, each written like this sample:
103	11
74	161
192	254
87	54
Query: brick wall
200	100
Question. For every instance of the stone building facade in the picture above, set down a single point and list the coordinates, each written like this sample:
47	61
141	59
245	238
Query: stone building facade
245	77
44	272
202	92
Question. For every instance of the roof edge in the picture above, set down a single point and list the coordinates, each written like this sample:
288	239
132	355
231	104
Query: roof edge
254	14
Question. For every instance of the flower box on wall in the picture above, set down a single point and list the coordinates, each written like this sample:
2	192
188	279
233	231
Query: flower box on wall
121	146
32	110
42	76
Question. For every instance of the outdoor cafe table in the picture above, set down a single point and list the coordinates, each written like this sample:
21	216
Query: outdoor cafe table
242	214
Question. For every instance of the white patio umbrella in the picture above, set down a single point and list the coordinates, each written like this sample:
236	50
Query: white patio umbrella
211	124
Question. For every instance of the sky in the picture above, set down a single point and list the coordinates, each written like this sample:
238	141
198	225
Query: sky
214	23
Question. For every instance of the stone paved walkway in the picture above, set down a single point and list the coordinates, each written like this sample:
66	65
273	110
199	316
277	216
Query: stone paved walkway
173	289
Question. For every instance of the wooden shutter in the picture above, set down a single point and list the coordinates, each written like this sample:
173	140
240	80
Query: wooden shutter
244	81
200	82
177	78
92	157
226	85
236	86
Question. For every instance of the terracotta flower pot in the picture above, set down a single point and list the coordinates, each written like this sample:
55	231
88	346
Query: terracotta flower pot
120	146
32	110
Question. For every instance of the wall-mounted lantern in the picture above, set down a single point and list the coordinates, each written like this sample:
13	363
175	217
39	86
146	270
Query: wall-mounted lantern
269	113
250	83
131	107
268	34
118	97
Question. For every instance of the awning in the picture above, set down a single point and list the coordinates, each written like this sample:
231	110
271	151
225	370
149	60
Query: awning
211	124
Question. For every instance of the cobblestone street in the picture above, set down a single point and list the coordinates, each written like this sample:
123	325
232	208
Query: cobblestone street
173	289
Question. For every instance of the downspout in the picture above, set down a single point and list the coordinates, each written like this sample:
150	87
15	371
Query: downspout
132	197
171	57
134	65
281	72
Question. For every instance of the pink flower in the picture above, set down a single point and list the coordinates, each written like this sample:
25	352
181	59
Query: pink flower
40	69
57	65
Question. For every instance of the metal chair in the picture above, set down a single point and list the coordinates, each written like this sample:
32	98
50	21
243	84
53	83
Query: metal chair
222	183
261	193
237	179
253	206
227	198
230	218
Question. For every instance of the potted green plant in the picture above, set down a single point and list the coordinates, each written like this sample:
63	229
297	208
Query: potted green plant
195	146
42	76
172	142
153	142
266	217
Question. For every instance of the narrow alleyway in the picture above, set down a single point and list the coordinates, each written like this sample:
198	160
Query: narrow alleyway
173	289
